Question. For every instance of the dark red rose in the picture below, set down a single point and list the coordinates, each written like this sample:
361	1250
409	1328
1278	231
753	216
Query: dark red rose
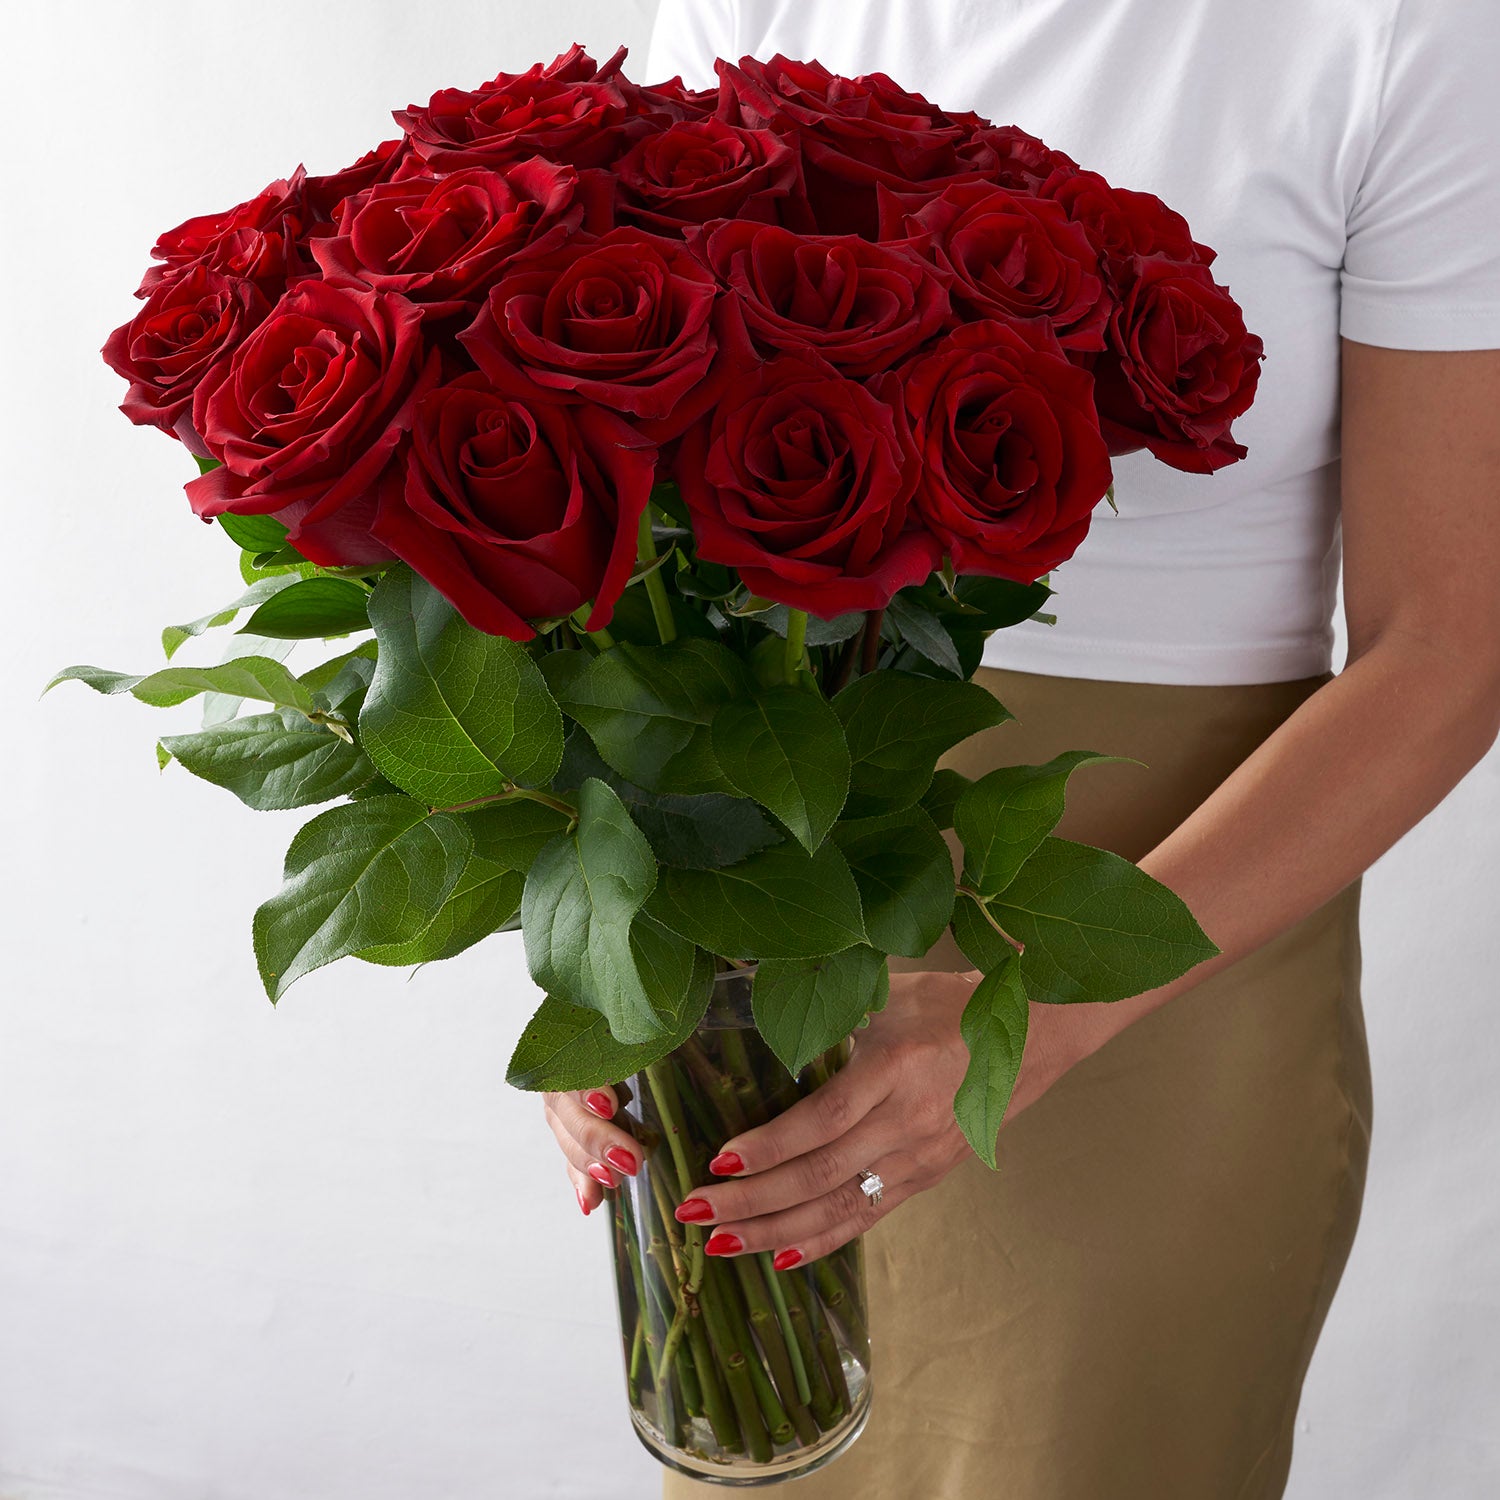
1008	156
569	111
306	414
188	326
1122	224
1012	460
699	170
853	132
860	306
623	321
802	481
517	511
443	242
1010	255
1180	366
389	160
260	240
669	101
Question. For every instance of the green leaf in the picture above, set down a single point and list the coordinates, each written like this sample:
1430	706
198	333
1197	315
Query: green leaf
256	677
311	608
332	673
174	635
453	714
897	726
785	748
780	903
273	761
648	708
942	794
1094	926
993	1027
924	633
820	632
582	894
205	465
220	706
358	875
904	870
992	604
570	1046
804	1006
1004	816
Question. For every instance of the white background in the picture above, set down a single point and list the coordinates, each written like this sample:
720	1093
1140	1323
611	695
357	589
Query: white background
324	1250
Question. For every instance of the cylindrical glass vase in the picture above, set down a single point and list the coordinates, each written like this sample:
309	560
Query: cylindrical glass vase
737	1373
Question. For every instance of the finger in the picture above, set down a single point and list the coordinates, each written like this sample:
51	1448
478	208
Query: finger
588	1192
824	1115
601	1101
811	1229
579	1130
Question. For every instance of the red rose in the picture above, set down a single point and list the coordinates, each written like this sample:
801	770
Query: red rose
259	240
669	101
861	306
699	170
1180	366
306	414
1121	224
1010	255
1012	461
188	325
1007	156
390	159
443	242
570	111
515	511
853	132
802	481
622	321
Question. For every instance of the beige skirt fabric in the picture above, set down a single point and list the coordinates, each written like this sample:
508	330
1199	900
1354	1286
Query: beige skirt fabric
1126	1308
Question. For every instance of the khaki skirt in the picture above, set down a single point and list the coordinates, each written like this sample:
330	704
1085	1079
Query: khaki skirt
1126	1308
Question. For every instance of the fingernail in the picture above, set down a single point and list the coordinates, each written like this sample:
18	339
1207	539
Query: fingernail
601	1104
600	1173
724	1244
625	1160
693	1211
583	1203
784	1260
725	1163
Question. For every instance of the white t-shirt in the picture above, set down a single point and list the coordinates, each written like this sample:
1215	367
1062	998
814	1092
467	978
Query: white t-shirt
1343	158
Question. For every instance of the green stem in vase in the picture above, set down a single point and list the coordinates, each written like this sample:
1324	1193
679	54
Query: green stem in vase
842	1306
715	1085
822	1403
828	1350
735	1359
727	1295
773	1279
685	1369
768	1331
664	1093
746	1087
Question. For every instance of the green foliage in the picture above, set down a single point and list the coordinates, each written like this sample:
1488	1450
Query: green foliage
255	677
453	714
897	726
942	794
359	875
310	608
780	903
174	635
904	872
804	1006
785	748
993	1026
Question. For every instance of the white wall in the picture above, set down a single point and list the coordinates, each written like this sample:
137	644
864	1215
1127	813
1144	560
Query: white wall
324	1250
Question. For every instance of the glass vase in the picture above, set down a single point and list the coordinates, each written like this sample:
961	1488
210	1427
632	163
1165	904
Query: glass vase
736	1373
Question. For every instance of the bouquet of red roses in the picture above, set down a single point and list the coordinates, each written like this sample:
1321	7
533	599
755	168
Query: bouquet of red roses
672	454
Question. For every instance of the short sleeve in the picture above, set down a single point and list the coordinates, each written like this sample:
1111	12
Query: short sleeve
1421	263
686	38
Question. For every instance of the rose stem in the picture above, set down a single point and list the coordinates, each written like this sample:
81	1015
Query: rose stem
716	1086
768	1330
727	1299
870	646
656	589
774	1280
843	666
735	1363
837	1300
823	1340
796	643
601	638
643	1303
685	1369
737	1060
664	1092
822	1403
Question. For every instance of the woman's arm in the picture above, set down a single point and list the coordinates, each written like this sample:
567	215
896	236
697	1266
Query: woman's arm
1371	753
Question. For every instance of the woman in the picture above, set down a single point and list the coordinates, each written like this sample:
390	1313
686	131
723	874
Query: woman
1127	1307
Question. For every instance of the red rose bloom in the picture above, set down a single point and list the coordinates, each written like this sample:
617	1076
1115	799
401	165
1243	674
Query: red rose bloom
444	242
1010	255
1012	461
622	321
188	326
390	159
699	170
669	101
1121	224
517	512
570	111
802	481
259	240
1180	367
860	306
1007	156
306	414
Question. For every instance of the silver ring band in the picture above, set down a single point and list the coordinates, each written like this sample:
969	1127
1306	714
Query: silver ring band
871	1185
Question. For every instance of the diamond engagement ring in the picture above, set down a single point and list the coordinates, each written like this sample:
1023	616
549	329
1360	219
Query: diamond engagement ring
871	1185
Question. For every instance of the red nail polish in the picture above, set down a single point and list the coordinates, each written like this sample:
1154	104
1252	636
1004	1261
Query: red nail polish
583	1202
784	1260
619	1157
693	1211
601	1104
724	1244
725	1163
600	1173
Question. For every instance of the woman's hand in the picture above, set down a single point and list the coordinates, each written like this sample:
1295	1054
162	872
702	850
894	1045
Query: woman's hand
597	1153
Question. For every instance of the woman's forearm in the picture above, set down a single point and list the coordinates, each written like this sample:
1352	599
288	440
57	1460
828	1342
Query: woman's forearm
1360	762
